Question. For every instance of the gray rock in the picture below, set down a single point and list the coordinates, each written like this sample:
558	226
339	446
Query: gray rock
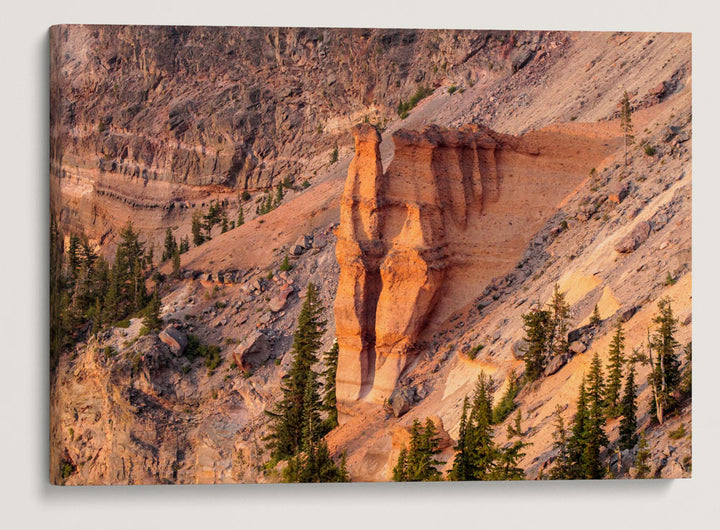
251	353
628	314
555	364
577	347
402	400
634	239
296	250
518	348
174	338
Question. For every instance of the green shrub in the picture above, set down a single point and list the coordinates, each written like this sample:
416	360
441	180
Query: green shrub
452	89
649	150
678	433
475	350
245	196
285	265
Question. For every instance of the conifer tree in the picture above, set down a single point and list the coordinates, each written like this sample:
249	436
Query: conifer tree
196	228
506	467
536	324
516	428
664	375
400	473
73	256
329	375
462	466
626	122
595	436
241	217
560	311
562	468
595	319
579	431
628	410
482	449
176	264
184	244
170	245
418	462
642	457
279	195
152	320
287	418
507	403
686	380
615	364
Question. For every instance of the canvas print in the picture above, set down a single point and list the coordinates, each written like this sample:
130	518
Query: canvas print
344	255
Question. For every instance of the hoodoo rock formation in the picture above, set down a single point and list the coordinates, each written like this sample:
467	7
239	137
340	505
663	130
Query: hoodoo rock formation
455	208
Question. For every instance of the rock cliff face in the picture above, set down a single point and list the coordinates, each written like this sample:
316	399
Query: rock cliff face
146	121
416	243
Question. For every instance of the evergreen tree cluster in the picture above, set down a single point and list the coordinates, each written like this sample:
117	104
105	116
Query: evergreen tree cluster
417	462
271	201
546	334
579	451
88	293
297	427
477	457
665	377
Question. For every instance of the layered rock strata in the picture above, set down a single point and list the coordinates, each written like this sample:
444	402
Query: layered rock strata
454	208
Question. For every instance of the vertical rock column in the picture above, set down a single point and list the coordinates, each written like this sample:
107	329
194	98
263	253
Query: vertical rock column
359	250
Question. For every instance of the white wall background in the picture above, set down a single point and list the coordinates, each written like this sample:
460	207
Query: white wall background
26	498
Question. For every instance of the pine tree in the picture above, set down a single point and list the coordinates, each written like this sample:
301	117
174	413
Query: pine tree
595	436
562	468
223	223
241	217
184	245
170	245
73	253
506	467
176	264
507	403
287	417
461	469
279	195
285	265
686	380
400	473
196	228
664	376
626	122
536	324
482	449
329	375
595	319
418	462
641	458
516	428
615	364
152	320
558	344
628	410
578	435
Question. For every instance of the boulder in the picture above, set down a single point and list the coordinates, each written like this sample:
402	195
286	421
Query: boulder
401	400
583	333
251	353
518	348
634	239
557	362
577	347
279	301
174	338
617	192
628	314
296	250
